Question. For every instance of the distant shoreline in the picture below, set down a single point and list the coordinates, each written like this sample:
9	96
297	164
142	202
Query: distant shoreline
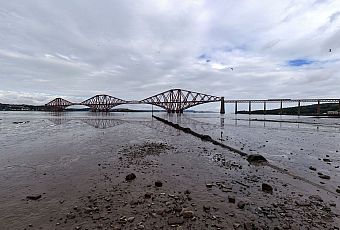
25	108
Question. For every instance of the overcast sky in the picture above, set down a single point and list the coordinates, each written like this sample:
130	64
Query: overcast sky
135	49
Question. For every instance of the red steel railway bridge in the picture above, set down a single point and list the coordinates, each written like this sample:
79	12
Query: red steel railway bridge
178	100
173	101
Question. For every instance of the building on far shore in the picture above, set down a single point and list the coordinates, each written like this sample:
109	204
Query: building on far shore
332	112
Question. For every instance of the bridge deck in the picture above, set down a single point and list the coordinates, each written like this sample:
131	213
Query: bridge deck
281	100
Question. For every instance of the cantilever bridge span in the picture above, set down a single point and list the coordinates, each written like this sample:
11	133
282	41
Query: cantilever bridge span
177	100
173	101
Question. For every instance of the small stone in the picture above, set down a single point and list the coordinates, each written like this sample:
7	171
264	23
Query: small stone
241	204
147	195
325	177
206	208
158	184
236	225
316	197
271	216
267	188
130	219
130	177
209	185
327	160
231	199
312	168
249	226
338	190
70	216
302	203
34	197
256	158
140	226
187	214
175	221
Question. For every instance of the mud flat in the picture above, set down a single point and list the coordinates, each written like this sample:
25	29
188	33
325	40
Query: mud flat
140	173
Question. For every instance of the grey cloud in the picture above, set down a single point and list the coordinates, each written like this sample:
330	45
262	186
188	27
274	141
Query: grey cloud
134	49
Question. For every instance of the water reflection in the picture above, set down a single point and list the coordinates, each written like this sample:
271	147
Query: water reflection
100	123
59	120
278	124
208	123
109	120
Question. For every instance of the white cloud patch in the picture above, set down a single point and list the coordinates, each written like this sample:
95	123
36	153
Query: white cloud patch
134	49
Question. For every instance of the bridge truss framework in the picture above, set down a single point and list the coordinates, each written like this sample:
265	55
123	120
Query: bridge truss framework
178	100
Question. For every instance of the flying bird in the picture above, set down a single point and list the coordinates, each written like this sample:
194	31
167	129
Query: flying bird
231	68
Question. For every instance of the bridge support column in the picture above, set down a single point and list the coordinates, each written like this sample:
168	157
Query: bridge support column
299	109
264	108
235	107
318	108
249	109
222	111
281	111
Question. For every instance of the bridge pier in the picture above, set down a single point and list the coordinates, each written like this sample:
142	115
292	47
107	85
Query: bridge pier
281	111
174	110
222	110
318	110
235	107
299	109
249	109
264	108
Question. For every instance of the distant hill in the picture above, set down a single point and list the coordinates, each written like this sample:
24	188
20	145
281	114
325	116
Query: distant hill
22	107
304	110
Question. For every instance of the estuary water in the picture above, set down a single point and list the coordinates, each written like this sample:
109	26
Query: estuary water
293	143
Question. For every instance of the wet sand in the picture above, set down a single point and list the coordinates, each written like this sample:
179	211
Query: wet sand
79	169
306	147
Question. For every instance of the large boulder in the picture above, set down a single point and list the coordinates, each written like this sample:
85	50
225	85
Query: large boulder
256	159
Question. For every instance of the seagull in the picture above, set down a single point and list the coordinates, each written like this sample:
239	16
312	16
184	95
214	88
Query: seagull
330	50
231	68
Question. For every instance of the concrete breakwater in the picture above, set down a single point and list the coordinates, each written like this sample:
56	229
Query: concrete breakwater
203	137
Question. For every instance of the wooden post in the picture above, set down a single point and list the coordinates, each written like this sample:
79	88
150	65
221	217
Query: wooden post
299	109
281	108
235	107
